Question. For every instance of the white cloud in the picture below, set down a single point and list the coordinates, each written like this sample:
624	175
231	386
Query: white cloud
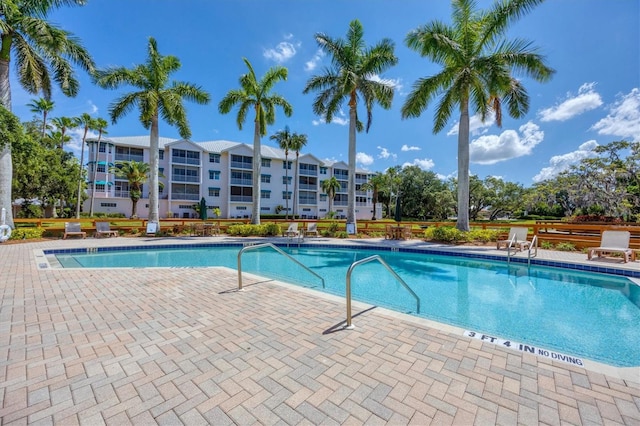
312	63
93	108
281	53
623	119
340	119
476	125
560	163
395	83
509	144
75	144
406	148
586	100
364	159
384	153
423	163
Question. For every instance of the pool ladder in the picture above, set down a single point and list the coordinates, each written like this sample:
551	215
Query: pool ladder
533	245
273	246
397	277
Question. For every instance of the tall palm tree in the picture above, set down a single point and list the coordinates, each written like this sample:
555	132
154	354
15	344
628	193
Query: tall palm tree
477	72
256	94
155	98
297	143
353	77
283	137
136	173
330	187
87	123
100	125
63	124
42	106
40	51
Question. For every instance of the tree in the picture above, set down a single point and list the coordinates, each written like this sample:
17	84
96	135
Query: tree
297	143
330	187
353	76
283	137
41	51
155	98
100	125
63	124
256	94
477	72
44	107
375	184
87	123
136	173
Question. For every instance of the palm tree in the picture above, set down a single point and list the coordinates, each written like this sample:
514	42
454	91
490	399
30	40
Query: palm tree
40	51
330	187
297	143
154	98
375	184
42	106
477	71
254	93
63	124
85	121
100	125
283	137
352	77
136	173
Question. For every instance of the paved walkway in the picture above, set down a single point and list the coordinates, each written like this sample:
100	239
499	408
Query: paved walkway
181	346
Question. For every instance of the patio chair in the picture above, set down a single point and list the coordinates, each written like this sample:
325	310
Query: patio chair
407	233
614	242
292	230
517	239
73	228
312	229
104	228
388	232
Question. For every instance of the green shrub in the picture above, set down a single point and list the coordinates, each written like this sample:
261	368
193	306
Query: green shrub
565	247
483	235
546	245
341	234
263	230
446	234
26	233
332	230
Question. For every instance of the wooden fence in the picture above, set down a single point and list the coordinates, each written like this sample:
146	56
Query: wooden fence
580	235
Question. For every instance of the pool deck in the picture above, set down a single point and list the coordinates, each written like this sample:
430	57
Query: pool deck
183	346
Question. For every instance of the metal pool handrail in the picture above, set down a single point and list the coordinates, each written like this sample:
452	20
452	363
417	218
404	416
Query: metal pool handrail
367	260
534	244
257	246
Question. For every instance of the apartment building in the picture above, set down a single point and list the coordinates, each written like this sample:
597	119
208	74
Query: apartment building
222	172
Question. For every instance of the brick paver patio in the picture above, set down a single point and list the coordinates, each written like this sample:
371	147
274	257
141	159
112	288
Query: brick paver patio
180	346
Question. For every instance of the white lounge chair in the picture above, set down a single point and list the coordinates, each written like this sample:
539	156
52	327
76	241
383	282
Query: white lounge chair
292	230
614	242
312	229
104	228
517	239
73	228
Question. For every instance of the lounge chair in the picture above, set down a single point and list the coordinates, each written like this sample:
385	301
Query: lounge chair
312	229
73	228
614	242
517	239
104	228
292	230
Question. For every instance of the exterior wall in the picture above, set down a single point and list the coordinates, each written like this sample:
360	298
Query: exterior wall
223	183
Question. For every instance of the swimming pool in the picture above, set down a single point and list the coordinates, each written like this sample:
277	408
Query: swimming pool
595	316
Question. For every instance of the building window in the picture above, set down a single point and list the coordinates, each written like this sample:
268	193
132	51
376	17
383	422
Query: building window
99	187
266	162
265	209
241	207
286	195
161	154
161	170
214	192
103	147
214	158
214	175
323	197
108	205
265	178
102	168
286	180
323	170
265	194
286	164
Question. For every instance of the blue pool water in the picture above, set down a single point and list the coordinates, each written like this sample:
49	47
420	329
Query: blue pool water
595	316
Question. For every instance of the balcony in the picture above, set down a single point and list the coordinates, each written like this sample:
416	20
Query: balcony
185	196
245	182
181	178
242	198
305	172
125	157
309	201
241	165
307	186
122	194
183	160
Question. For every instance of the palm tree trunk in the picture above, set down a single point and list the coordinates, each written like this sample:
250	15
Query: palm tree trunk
6	165
154	215
286	184
463	168
295	186
84	138
95	174
255	212
351	183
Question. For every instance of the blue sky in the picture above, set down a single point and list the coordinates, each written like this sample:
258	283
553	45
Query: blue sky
594	97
